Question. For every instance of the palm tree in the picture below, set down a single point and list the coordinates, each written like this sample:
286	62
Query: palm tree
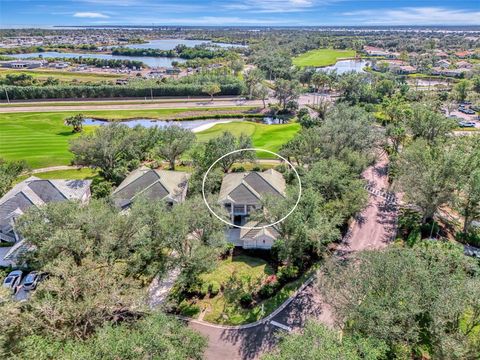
75	121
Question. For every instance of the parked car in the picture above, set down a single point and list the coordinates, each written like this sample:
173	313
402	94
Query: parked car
475	108
466	102
467	111
31	281
12	281
469	124
453	117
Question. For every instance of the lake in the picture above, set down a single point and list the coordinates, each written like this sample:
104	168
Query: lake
344	66
148	60
169	44
161	44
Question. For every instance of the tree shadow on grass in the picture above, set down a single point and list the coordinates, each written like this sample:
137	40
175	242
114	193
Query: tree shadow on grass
65	133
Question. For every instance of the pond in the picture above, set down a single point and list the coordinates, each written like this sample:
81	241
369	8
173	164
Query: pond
169	44
148	60
194	125
344	66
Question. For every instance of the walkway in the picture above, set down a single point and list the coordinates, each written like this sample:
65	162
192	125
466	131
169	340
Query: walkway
374	228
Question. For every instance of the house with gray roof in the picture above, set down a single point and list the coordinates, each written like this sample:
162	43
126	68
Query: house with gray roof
34	192
241	193
260	237
153	184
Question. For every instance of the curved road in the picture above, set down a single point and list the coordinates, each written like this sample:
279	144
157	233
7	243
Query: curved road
374	228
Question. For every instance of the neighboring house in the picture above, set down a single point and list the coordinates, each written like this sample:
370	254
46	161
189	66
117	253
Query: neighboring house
463	65
463	54
257	238
242	193
375	51
443	63
170	186
34	192
440	54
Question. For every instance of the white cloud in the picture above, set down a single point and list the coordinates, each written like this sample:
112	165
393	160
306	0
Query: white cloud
416	16
90	15
275	6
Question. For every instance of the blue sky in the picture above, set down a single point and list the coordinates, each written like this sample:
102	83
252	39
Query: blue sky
19	13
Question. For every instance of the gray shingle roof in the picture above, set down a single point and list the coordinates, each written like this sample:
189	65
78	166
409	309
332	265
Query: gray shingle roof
37	192
46	191
251	234
153	184
249	187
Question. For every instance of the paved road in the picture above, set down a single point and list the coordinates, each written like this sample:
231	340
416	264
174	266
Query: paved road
373	229
173	104
176	103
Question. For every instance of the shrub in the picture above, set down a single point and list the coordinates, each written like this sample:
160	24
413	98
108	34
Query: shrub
266	291
101	188
287	273
213	288
246	300
187	309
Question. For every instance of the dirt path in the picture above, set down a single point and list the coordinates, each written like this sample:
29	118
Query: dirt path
372	229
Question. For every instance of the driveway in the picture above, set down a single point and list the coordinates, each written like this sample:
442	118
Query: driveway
374	228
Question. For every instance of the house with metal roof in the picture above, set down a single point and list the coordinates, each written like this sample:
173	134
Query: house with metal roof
153	184
34	192
243	192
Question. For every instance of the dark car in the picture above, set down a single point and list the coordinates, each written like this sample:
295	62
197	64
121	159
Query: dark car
469	124
31	280
12	281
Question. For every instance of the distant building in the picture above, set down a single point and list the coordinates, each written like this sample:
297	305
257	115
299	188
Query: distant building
172	71
375	51
22	64
463	65
441	54
165	185
443	63
463	54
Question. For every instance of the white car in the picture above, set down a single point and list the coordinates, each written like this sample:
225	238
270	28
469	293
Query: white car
32	280
12	281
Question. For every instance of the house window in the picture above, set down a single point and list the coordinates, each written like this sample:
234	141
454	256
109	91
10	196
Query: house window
239	209
228	207
250	208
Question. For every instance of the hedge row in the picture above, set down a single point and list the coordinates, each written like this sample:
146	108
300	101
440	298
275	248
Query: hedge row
109	91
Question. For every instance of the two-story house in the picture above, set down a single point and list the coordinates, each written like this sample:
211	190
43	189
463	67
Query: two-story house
243	192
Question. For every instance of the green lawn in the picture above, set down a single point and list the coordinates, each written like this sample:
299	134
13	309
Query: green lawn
71	174
268	137
322	57
42	140
246	269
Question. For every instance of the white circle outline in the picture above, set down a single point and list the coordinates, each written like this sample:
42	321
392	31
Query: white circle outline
251	227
